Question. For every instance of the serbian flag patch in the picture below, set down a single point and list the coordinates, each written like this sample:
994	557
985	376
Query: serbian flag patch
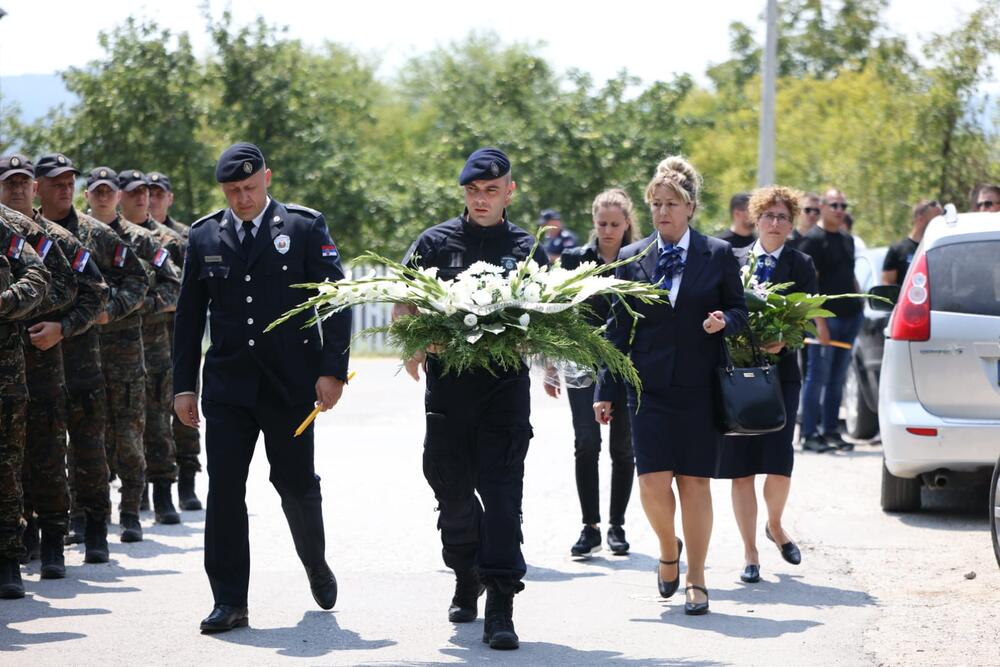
121	252
43	246
330	251
15	246
81	259
160	257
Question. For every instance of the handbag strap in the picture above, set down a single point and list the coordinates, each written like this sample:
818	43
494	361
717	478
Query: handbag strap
758	357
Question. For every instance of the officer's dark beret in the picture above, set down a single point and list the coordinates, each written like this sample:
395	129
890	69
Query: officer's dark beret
130	179
548	214
15	164
239	162
102	176
484	165
157	179
54	164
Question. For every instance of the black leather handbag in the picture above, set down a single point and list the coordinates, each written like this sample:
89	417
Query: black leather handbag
749	400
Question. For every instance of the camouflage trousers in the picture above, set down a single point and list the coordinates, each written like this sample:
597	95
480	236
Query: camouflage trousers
86	416
186	439
158	436
13	410
46	491
125	380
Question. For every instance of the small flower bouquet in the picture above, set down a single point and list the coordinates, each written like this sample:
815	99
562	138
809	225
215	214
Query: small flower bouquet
488	318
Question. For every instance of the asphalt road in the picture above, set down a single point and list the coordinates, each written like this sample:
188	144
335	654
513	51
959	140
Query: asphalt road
872	589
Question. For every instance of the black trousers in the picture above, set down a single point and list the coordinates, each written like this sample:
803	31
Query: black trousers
587	443
230	436
477	438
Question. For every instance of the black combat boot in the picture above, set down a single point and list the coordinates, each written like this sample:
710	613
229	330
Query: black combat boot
96	540
498	628
185	493
465	603
76	529
131	528
53	563
163	503
144	500
30	540
11	586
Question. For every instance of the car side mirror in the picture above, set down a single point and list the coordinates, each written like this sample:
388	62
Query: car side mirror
888	292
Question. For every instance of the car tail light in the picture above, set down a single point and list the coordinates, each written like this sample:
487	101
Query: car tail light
932	432
911	320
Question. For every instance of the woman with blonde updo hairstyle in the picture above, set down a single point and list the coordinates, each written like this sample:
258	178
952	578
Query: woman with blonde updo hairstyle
614	227
676	346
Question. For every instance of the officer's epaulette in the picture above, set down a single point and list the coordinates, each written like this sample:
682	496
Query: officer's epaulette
214	214
298	208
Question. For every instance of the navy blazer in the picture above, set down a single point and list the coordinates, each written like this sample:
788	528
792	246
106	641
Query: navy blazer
243	296
795	267
670	347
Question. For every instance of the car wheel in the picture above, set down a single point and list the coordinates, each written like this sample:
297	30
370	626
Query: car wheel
862	422
995	510
899	494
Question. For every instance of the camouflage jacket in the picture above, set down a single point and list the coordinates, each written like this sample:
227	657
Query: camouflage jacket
92	292
178	227
24	280
116	260
62	284
169	239
165	285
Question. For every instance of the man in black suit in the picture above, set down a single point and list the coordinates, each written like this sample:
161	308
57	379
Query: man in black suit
240	264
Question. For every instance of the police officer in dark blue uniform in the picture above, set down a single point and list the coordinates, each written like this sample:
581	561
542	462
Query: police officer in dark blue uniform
477	422
557	239
239	267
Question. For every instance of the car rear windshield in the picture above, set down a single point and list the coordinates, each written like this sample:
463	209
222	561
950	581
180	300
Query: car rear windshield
965	278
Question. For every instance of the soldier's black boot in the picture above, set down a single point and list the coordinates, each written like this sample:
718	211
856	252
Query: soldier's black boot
76	530
144	500
31	541
53	563
11	586
465	603
185	493
498	628
163	503
95	540
131	528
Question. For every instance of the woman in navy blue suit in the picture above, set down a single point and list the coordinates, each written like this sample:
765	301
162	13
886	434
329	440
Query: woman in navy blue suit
774	209
676	347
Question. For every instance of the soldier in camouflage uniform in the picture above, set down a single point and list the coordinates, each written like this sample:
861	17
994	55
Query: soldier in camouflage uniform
186	439
43	480
154	245
23	285
87	396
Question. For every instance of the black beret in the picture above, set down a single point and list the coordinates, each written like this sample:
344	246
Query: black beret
54	164
239	162
159	180
548	214
130	179
484	165
16	164
102	176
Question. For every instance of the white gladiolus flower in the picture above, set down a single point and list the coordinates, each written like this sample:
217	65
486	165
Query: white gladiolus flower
524	319
470	320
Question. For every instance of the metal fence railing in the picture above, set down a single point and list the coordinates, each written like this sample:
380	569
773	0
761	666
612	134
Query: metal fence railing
369	315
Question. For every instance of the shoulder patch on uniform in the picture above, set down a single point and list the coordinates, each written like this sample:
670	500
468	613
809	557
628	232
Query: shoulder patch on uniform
215	214
81	259
298	208
43	246
15	247
121	253
329	251
160	257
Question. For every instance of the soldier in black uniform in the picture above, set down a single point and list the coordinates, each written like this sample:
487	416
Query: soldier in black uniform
477	422
240	265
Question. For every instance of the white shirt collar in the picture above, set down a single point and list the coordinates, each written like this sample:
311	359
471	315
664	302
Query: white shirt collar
682	244
758	250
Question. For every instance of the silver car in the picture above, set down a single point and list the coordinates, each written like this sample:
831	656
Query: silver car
939	395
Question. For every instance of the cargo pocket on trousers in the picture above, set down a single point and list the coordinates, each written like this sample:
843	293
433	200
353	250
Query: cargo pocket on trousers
437	443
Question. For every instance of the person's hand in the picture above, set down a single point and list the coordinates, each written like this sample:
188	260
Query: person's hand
103	318
328	391
714	323
552	386
775	347
44	335
822	331
186	407
413	364
602	412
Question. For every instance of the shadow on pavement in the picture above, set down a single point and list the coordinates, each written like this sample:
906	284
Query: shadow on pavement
746	626
317	634
148	548
635	562
79	580
29	609
791	590
546	574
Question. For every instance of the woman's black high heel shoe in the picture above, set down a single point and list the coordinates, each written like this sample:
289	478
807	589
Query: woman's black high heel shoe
668	588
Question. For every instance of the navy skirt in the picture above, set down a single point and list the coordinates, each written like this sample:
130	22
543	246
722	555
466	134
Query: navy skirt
674	430
766	454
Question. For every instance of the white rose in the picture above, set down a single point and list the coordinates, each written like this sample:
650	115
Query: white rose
470	320
482	297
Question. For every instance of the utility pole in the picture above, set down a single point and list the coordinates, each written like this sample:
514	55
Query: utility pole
765	149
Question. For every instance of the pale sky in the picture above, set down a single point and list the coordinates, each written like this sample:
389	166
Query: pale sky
653	40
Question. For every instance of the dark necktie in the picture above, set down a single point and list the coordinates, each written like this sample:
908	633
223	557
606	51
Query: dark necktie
668	265
247	237
765	267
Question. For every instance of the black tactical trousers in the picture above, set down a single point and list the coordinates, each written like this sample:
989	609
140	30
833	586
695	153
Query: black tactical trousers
477	438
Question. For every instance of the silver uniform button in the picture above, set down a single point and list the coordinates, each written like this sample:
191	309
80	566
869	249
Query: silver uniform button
246	278
284	267
250	342
249	320
249	299
306	340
